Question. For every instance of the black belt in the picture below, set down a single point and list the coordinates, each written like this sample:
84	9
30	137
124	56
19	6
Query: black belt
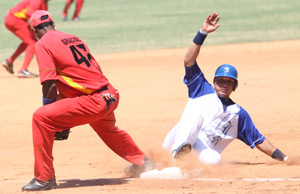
102	89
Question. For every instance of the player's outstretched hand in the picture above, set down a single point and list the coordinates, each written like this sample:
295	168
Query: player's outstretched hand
211	23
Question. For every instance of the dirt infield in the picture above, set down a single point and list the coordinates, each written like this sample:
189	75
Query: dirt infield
153	97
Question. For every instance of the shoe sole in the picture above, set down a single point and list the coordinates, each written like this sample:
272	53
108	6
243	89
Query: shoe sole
22	76
26	76
185	149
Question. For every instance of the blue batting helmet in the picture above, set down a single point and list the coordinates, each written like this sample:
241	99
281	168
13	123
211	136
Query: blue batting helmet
227	70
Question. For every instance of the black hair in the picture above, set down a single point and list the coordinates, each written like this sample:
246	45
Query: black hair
43	25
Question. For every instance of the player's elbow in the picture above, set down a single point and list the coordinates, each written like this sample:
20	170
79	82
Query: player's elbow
188	61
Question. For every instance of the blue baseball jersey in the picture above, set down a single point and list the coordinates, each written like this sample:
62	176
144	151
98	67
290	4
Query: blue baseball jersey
223	120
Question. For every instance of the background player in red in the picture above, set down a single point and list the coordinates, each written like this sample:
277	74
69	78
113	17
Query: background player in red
66	66
78	7
17	21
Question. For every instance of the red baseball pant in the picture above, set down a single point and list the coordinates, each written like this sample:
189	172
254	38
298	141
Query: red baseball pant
71	112
79	4
21	29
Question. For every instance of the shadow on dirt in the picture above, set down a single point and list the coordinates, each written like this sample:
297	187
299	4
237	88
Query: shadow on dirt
246	163
70	183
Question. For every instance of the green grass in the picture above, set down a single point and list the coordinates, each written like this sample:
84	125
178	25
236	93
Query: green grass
126	25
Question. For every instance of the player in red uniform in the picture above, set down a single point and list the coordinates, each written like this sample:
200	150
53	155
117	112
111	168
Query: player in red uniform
17	22
78	7
66	66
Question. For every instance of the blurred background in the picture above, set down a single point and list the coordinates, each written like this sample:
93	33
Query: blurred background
130	25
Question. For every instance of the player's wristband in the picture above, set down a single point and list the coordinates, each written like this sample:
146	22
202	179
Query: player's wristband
48	101
200	37
278	155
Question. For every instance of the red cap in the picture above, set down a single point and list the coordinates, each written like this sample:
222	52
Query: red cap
40	17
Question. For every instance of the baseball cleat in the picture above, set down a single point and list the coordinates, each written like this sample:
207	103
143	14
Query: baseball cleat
64	17
76	19
183	150
135	170
36	185
8	66
26	74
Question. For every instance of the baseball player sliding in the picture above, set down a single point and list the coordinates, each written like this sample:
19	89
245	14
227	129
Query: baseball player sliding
66	66
211	120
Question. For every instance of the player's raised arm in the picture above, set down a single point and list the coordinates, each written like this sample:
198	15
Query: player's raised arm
209	25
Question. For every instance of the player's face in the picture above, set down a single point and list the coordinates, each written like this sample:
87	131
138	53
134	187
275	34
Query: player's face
224	86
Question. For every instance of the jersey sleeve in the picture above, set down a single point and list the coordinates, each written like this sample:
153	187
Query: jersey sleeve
247	132
196	82
46	63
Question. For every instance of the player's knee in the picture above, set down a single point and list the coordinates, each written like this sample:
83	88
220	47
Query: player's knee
166	145
39	115
210	157
36	115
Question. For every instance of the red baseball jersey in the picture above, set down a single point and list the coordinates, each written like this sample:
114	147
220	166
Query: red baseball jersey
66	58
25	8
